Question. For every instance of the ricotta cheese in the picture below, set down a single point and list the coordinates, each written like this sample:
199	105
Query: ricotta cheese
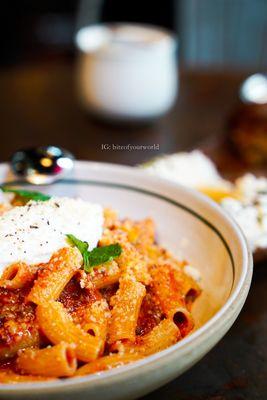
32	233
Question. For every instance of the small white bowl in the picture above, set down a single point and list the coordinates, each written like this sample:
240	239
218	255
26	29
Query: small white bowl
191	226
126	71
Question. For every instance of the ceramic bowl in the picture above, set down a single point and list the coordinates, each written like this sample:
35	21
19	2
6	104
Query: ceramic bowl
126	71
193	228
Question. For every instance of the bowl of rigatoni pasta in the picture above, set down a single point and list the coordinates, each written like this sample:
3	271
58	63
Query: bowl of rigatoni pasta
112	283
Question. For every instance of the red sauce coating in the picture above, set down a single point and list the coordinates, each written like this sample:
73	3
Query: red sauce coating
74	297
17	320
150	315
109	291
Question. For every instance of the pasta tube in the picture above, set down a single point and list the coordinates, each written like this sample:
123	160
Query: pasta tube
58	326
93	319
17	275
169	292
165	334
107	362
131	261
56	361
126	306
55	275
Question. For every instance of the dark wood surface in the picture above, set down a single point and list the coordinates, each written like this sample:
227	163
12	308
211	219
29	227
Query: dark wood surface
38	106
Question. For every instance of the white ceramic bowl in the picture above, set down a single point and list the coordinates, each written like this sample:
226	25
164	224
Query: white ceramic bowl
126	71
191	226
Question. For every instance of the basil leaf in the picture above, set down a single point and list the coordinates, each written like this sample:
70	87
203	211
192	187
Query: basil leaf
82	246
86	263
100	255
97	256
27	194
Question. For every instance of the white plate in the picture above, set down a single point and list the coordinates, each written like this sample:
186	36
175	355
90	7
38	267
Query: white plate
191	226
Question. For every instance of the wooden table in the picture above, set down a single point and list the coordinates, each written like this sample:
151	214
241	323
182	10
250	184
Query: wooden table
39	106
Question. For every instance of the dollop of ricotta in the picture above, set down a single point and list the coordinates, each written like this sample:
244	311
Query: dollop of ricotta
32	233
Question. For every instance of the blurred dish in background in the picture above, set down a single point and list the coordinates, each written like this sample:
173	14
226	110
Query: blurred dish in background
245	199
248	123
126	71
190	169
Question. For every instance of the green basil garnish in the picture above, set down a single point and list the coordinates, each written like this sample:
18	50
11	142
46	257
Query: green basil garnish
27	194
98	255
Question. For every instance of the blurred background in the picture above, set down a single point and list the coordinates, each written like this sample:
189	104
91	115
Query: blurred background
219	33
181	86
220	42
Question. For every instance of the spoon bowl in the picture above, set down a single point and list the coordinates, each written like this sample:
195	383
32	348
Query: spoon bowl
42	165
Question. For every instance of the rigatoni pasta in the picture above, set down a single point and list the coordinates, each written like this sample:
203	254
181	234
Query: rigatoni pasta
107	362
94	319
58	326
74	316
54	276
56	361
159	338
170	294
126	304
17	275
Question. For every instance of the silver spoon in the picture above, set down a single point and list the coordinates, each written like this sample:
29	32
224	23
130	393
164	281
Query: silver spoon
42	165
254	89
